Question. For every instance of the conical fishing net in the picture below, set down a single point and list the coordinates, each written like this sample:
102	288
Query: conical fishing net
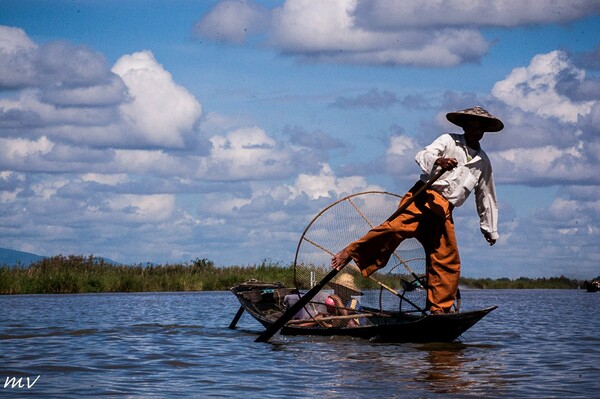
398	287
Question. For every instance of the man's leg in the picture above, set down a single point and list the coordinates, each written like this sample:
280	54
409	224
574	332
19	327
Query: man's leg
374	249
443	268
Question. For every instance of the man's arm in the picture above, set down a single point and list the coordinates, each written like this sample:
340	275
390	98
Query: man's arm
428	157
487	206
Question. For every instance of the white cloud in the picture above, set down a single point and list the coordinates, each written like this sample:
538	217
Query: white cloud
10	185
546	165
148	162
19	150
400	157
533	88
9	195
549	135
244	145
438	34
305	25
222	204
385	14
56	68
245	153
14	40
16	57
111	91
160	112
232	20
220	124
326	31
109	179
30	109
143	208
549	163
402	146
327	185
536	158
7	175
49	187
71	92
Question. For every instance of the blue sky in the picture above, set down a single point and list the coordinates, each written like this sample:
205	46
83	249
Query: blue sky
168	131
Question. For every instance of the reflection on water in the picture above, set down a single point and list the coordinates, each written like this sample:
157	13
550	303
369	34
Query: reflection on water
536	344
460	369
405	370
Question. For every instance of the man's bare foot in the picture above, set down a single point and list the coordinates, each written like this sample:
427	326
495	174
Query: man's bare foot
340	260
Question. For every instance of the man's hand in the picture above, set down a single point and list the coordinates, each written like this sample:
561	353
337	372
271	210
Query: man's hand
340	260
489	239
446	163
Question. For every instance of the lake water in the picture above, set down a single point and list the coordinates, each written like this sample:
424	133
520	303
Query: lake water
538	343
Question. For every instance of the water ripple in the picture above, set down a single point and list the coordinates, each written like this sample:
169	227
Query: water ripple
536	344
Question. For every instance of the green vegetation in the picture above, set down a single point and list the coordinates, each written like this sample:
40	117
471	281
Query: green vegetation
522	283
79	274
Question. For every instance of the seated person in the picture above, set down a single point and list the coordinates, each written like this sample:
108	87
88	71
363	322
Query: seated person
340	303
315	307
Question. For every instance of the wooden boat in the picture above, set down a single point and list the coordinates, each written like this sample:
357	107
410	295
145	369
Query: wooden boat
592	286
264	302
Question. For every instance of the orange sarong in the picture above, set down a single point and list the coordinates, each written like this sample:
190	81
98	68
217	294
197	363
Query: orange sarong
429	220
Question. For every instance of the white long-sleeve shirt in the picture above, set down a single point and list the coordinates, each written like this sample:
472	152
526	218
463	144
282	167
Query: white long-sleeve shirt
473	172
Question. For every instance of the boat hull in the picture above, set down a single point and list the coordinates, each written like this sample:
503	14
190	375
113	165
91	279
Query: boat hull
263	301
592	286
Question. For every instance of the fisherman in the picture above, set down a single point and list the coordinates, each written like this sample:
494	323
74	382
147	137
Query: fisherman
429	218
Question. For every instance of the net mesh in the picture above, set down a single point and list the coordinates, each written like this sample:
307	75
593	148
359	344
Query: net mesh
399	286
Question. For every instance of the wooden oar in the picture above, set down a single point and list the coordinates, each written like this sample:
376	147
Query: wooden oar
304	299
236	318
403	207
334	318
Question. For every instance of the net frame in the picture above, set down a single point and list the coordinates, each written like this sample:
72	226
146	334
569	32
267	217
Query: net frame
396	287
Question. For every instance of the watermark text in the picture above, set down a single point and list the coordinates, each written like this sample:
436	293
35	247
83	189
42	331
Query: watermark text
20	383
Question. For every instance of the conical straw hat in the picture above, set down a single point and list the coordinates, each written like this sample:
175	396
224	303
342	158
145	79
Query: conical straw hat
488	121
347	281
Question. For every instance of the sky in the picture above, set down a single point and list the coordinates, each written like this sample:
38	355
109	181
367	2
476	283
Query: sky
167	131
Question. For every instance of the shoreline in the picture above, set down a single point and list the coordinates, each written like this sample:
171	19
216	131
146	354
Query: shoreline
78	274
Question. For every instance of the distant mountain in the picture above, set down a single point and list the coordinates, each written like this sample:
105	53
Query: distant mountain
10	257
